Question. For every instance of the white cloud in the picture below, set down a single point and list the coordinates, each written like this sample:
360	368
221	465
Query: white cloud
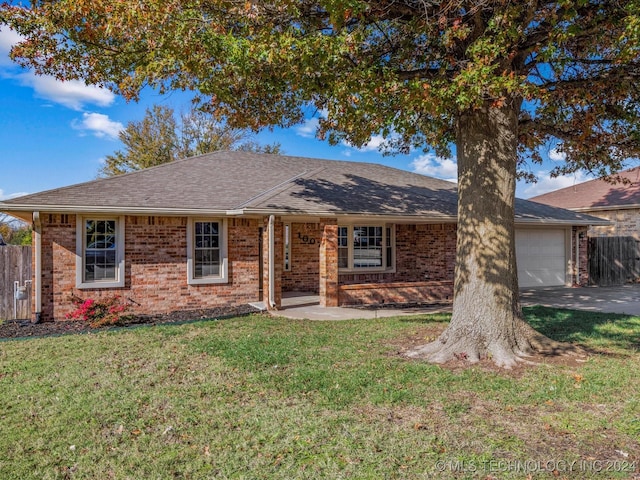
434	166
7	39
99	125
547	184
308	128
72	94
557	156
7	196
373	144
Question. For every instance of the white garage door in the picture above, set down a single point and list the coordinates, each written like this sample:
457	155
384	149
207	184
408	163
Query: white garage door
541	257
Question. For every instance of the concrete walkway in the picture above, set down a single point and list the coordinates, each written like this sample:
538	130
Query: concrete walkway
620	299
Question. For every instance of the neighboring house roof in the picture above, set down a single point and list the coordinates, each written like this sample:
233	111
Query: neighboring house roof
597	194
242	183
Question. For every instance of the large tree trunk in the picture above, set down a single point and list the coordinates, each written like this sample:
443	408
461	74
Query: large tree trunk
487	319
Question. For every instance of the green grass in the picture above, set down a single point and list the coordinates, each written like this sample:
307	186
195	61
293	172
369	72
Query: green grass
261	397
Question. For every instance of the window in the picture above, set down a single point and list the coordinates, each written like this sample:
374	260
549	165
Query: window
343	247
206	258
287	247
365	247
100	252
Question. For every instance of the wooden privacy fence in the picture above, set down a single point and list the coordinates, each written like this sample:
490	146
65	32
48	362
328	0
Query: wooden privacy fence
613	260
15	266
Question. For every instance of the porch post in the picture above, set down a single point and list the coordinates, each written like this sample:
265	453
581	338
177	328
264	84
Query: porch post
329	265
272	246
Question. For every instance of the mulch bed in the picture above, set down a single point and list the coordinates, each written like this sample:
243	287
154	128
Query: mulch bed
26	329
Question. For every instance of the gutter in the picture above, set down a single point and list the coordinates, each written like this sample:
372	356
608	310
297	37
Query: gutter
243	211
599	208
567	223
6	207
37	281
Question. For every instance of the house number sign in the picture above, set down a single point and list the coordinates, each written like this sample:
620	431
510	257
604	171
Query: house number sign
306	240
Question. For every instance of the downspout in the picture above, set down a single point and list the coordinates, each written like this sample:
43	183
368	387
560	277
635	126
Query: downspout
272	275
37	281
577	257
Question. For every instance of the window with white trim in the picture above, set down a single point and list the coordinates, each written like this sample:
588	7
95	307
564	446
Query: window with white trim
99	252
207	251
366	247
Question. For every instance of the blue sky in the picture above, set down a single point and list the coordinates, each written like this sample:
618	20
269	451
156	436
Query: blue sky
54	134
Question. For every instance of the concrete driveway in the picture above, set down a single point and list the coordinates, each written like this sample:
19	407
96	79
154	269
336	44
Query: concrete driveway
620	299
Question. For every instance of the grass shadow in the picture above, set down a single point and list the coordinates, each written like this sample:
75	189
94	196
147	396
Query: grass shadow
597	332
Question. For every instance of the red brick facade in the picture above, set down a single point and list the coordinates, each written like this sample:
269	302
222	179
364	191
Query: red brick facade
155	266
396	292
423	253
305	239
329	266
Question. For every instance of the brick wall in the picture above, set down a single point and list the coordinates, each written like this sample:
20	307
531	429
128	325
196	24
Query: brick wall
423	253
155	266
58	243
304	258
626	223
396	292
329	265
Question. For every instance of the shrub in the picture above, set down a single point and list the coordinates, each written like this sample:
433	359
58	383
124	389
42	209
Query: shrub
104	311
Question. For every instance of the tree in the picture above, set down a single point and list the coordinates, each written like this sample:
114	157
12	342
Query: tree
159	138
497	79
14	231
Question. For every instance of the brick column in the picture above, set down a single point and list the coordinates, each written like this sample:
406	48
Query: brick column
579	233
329	266
584	255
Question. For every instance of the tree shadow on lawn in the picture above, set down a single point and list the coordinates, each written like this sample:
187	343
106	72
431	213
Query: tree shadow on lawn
596	332
584	333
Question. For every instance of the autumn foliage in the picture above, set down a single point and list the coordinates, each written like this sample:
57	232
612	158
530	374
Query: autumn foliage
111	310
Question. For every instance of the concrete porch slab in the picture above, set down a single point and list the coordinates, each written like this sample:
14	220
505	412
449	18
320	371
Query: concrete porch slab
619	299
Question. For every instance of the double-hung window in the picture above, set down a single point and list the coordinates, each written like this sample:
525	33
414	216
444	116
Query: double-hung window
100	252
207	251
363	247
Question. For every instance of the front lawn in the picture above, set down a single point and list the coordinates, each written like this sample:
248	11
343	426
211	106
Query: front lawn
260	397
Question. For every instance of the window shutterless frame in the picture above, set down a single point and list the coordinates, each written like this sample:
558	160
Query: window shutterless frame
207	261
100	251
365	247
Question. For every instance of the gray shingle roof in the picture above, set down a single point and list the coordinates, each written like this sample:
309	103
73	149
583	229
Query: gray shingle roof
245	182
597	194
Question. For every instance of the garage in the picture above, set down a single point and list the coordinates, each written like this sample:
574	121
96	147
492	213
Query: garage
542	257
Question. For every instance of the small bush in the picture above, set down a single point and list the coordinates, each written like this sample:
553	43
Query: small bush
99	313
